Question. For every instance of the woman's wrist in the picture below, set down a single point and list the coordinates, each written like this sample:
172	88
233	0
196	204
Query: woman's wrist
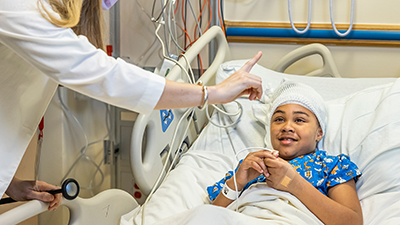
212	95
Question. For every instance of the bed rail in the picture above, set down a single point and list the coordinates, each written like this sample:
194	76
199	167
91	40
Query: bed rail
328	68
152	134
106	208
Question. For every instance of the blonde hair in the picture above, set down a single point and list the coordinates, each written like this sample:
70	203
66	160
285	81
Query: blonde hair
84	17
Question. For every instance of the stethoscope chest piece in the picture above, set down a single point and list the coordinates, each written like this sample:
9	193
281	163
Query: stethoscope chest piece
70	189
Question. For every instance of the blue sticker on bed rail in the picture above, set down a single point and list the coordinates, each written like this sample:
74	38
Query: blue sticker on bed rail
166	118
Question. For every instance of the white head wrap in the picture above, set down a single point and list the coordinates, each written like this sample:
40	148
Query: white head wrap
290	92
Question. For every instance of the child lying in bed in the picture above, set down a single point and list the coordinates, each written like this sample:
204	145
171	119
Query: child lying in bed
324	184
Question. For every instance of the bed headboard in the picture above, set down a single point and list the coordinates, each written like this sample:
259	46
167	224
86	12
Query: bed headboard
152	133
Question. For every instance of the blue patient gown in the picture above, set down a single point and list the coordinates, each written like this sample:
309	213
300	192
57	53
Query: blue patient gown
321	170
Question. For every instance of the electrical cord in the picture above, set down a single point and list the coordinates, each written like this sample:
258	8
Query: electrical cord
173	36
162	11
161	177
165	30
351	20
194	16
238	113
147	53
219	16
291	19
222	15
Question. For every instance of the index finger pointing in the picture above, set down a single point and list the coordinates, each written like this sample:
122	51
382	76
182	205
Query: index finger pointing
249	64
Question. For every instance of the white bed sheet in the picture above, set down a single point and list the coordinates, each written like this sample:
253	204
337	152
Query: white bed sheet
369	136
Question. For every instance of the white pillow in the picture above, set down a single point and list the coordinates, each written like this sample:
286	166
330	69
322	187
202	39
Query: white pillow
366	127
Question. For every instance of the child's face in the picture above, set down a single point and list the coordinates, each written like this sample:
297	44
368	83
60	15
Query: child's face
295	131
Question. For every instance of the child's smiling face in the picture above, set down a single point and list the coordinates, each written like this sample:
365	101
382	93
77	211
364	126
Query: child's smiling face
295	131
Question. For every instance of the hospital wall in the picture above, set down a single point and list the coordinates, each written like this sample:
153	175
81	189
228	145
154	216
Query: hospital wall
137	33
351	61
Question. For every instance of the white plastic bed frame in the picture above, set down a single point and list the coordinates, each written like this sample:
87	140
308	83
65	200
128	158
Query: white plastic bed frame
103	209
147	147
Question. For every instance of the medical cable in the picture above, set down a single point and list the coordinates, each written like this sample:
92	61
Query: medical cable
83	154
173	35
192	80
190	110
291	19
161	176
184	12
219	16
201	7
238	113
351	20
165	28
152	45
163	50
195	19
222	16
162	11
227	133
83	150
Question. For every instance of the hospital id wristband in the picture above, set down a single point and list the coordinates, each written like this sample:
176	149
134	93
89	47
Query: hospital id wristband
229	193
204	101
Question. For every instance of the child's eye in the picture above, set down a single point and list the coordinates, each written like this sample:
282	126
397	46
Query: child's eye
278	119
299	120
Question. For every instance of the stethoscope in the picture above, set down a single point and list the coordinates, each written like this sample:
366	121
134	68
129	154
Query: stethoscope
69	189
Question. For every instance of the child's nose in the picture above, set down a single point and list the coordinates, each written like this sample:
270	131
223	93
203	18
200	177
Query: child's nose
287	127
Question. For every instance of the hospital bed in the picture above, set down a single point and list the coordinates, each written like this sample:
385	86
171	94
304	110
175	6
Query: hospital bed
364	123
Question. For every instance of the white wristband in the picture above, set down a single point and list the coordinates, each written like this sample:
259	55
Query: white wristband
229	193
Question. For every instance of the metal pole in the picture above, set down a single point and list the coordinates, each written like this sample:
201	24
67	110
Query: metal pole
212	49
115	41
115	30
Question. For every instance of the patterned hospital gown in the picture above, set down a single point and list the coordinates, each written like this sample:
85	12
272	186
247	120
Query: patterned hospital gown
321	170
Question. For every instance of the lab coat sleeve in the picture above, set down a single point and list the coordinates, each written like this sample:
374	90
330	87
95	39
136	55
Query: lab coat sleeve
74	62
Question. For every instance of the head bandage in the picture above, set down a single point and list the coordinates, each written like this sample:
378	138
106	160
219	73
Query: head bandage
289	92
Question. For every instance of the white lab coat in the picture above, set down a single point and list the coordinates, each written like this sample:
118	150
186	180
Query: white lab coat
36	56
